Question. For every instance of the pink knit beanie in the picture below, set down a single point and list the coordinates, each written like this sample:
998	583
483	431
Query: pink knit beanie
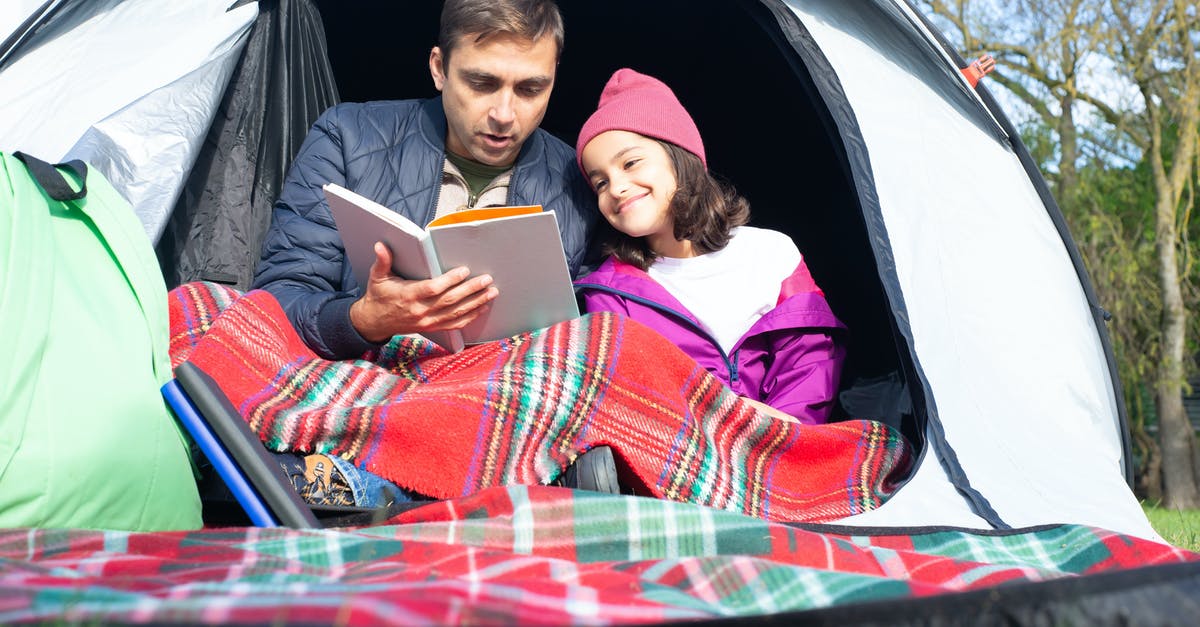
644	105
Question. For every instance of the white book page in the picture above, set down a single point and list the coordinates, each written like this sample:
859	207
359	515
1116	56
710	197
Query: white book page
524	255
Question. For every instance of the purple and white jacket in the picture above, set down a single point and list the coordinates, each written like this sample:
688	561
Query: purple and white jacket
790	359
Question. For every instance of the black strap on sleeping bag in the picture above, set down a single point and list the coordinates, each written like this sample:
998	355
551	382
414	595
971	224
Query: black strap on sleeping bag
52	181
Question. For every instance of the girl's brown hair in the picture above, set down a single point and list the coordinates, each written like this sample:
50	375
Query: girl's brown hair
703	209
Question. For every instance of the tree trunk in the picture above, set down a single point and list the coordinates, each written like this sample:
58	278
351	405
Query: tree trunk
1068	145
1178	108
1174	429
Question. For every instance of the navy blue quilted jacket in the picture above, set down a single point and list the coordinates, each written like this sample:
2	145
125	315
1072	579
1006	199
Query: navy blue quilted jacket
391	152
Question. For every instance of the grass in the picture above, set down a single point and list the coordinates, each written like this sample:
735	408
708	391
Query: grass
1181	528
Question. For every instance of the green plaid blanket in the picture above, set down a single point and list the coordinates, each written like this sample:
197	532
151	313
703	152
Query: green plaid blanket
528	555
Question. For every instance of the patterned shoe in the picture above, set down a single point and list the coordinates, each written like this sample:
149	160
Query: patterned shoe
316	479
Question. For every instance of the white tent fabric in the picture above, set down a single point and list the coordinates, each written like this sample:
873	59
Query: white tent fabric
1014	360
131	89
1001	327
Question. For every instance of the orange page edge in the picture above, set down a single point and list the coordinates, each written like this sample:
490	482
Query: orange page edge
486	213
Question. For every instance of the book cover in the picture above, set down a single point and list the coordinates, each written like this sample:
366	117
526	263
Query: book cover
520	247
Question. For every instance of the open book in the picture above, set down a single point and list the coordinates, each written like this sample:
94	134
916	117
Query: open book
520	247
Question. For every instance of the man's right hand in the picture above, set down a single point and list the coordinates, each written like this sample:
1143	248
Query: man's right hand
392	305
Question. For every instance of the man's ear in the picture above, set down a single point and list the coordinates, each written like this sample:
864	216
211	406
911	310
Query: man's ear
435	68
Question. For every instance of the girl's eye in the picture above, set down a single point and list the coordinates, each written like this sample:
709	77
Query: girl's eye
631	163
600	185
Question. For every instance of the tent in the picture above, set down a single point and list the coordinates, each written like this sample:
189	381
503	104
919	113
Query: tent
847	125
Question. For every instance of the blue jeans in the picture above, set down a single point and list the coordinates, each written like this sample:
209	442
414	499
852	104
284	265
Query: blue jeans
371	490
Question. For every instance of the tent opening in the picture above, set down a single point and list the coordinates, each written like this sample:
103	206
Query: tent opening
765	129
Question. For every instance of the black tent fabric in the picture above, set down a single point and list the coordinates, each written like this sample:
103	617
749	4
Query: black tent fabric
282	82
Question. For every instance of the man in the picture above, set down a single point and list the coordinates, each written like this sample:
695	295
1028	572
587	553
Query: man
478	144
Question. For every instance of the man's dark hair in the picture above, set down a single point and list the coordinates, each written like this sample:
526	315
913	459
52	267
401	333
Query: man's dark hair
528	19
703	208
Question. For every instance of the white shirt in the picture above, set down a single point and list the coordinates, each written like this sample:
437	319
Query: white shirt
729	290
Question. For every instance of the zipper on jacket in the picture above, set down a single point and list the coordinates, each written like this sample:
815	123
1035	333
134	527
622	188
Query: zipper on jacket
730	364
472	197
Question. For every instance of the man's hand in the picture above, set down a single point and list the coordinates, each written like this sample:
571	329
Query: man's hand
392	305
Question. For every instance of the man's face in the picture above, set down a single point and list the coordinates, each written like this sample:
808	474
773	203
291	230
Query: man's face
495	94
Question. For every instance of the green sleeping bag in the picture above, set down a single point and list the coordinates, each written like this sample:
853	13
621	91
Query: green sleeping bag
86	439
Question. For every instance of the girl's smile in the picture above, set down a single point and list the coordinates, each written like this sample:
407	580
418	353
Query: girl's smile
621	207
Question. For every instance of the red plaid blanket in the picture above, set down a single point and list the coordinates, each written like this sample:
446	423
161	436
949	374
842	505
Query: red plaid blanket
534	556
520	410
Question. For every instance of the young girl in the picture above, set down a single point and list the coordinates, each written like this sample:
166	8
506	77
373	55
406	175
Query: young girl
738	299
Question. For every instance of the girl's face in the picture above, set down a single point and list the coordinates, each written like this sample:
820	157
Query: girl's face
634	182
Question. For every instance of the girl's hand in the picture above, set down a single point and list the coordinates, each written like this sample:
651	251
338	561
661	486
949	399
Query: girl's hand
771	411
